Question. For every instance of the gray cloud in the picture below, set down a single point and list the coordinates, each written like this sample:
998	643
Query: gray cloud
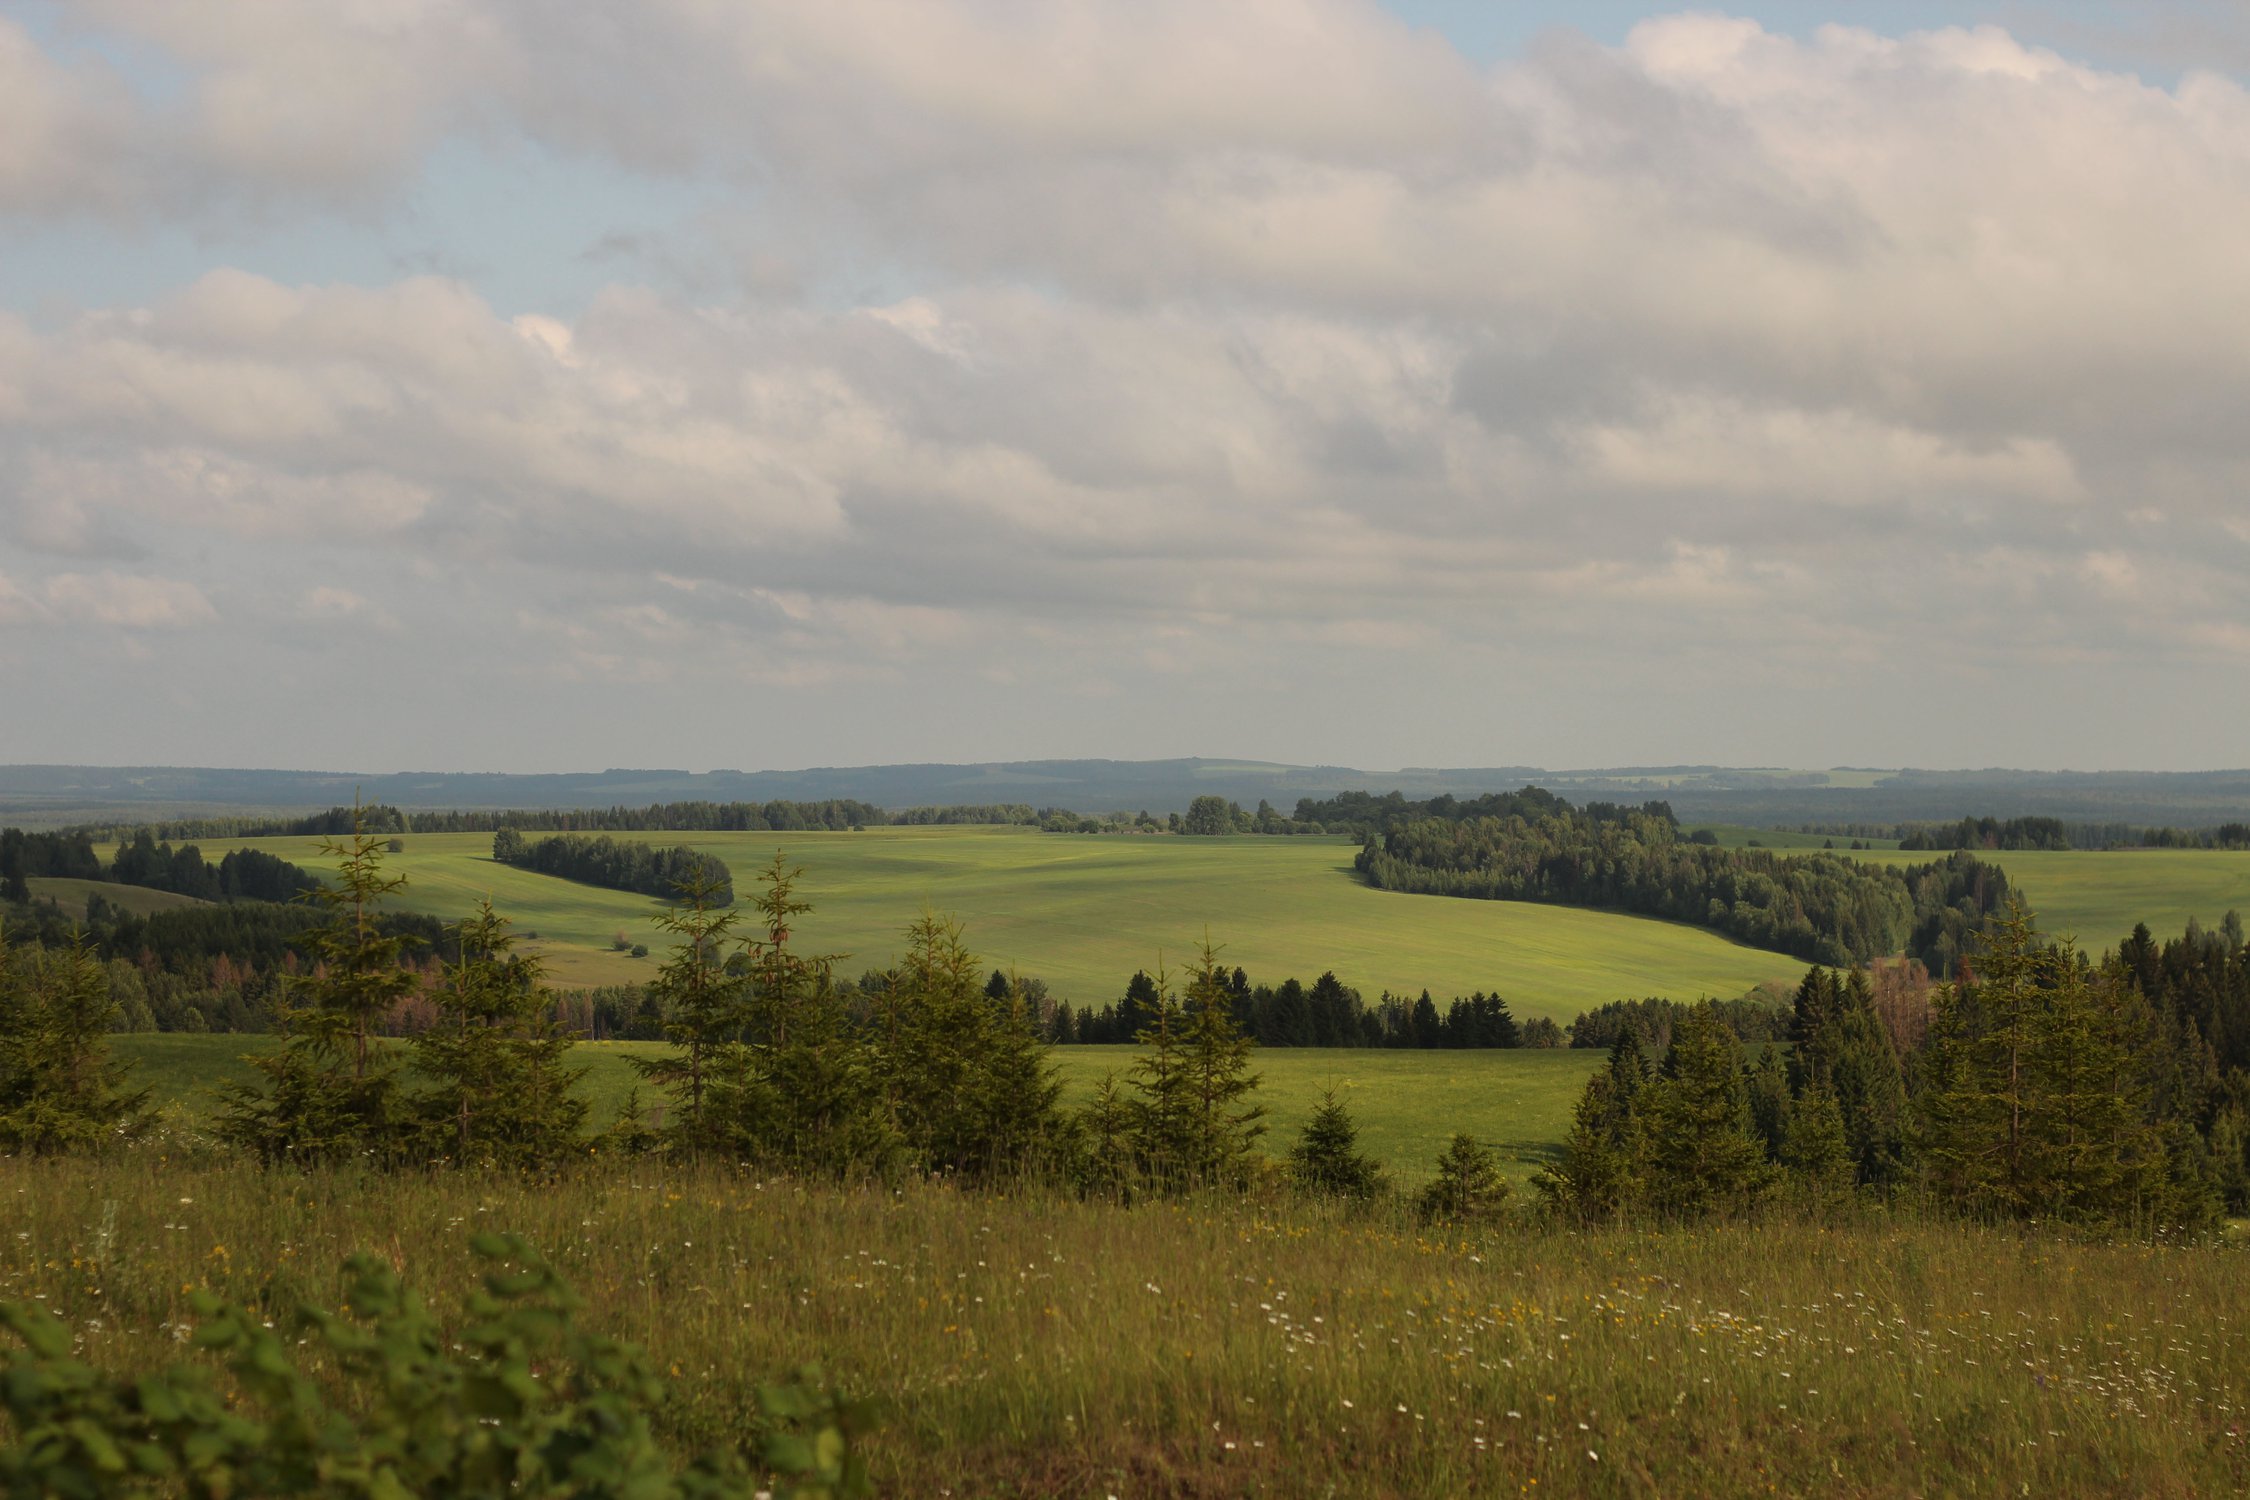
1274	344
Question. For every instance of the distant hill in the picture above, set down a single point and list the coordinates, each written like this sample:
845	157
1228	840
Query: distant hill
46	796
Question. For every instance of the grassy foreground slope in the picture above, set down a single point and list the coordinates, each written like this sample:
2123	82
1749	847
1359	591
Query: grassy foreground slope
1407	1103
1035	1346
1084	912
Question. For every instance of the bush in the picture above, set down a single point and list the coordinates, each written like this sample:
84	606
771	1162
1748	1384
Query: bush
1326	1159
1468	1186
518	1402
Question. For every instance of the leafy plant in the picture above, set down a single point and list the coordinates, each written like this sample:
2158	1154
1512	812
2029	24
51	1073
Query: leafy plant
517	1401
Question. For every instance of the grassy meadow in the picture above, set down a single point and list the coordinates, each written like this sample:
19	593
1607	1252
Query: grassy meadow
2097	895
1083	912
1408	1104
1036	1346
71	895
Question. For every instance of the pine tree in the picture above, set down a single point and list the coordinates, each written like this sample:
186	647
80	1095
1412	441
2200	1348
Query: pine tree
1223	1130
1598	1173
2036	1101
1815	1151
1326	1159
330	1089
1019	1091
1104	1137
1159	1110
705	1008
60	1090
1468	1187
1768	1087
1839	1043
1700	1155
806	1091
501	1094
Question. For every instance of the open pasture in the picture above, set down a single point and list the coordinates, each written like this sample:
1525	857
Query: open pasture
71	895
1407	1104
2097	895
1083	912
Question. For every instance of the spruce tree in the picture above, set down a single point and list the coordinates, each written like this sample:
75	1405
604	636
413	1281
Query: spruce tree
1223	1128
1700	1155
1815	1151
1103	1134
1598	1172
1327	1160
60	1090
805	1092
704	1005
1468	1187
330	1090
1159	1110
1019	1090
500	1092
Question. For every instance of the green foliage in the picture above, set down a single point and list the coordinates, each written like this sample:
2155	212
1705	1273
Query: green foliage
1598	1172
516	1400
1327	1159
807	1097
499	1093
331	1092
1191	1124
2037	1101
1468	1187
1695	1122
1816	1151
1823	907
705	1007
621	865
60	1090
1841	1047
1678	1144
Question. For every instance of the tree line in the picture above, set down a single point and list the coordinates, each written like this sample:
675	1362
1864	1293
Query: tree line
2038	833
2046	1084
240	875
1325	1013
618	865
1825	908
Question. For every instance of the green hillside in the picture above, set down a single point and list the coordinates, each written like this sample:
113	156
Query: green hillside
1084	912
2097	895
71	895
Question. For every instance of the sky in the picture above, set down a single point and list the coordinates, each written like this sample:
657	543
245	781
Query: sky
536	385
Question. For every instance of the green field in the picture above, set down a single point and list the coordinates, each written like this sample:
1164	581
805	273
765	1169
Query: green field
2097	895
1407	1103
1084	912
71	895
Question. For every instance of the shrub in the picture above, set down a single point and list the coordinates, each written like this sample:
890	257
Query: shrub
1327	1158
518	1401
1468	1186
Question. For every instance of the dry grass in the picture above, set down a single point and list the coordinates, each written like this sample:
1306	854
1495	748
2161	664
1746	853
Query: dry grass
1028	1345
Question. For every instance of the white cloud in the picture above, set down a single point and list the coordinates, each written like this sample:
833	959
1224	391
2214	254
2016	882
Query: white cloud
1232	338
129	601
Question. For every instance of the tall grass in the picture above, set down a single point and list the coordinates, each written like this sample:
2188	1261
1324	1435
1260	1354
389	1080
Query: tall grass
1034	1345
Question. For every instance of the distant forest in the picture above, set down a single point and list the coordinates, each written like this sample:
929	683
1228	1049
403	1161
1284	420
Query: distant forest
242	875
1824	908
616	864
2038	833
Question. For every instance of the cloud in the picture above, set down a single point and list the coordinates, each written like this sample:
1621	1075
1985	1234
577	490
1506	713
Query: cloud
128	601
1119	344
